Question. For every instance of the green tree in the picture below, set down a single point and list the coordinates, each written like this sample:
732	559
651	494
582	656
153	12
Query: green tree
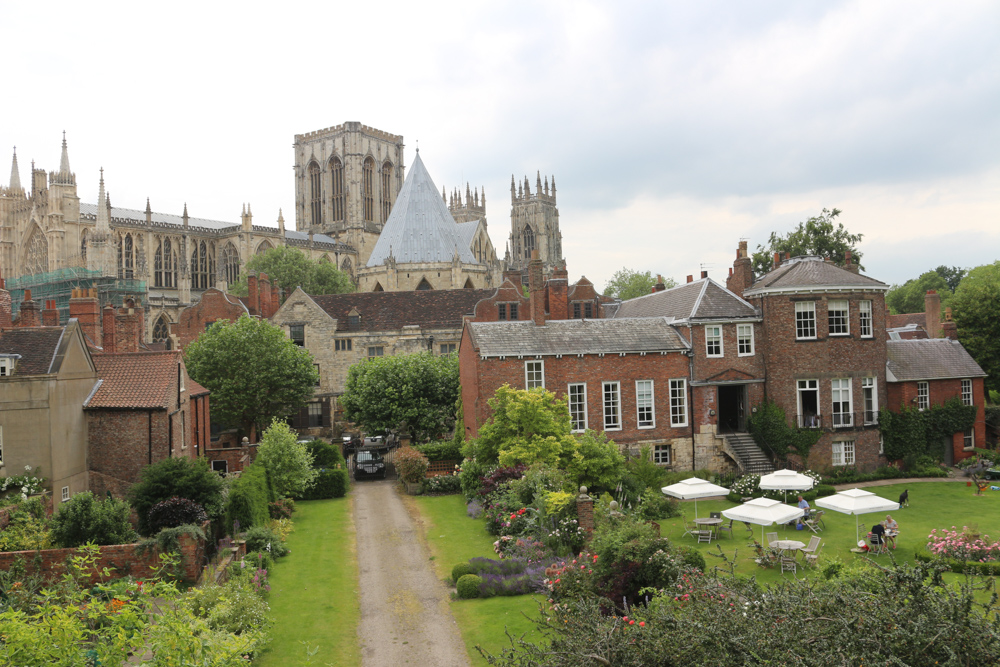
952	275
909	297
287	460
84	518
185	478
816	236
628	284
415	392
255	373
976	308
519	415
291	268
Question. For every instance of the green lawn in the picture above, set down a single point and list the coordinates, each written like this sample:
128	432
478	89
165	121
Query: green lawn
454	538
314	596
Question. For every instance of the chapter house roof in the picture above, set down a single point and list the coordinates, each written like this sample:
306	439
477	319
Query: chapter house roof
136	380
929	359
811	273
391	311
420	227
525	338
702	299
36	346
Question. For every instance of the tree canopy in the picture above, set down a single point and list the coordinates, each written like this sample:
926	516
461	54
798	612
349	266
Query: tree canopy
413	392
291	268
288	461
255	373
816	236
909	297
628	284
183	478
976	308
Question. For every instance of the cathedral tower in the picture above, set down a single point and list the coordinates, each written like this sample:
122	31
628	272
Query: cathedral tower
534	225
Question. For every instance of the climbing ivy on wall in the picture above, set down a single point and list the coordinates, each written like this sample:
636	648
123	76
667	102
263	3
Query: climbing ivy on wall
769	428
916	432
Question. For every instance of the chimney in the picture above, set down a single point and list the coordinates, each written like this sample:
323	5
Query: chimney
108	329
704	274
690	279
558	294
50	316
777	259
659	286
275	297
253	297
948	328
932	314
29	315
84	308
536	290
741	275
849	263
264	295
514	277
129	327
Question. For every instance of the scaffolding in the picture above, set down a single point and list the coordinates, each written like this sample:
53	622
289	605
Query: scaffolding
58	286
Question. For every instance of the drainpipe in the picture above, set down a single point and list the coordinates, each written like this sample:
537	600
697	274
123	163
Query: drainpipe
149	434
690	354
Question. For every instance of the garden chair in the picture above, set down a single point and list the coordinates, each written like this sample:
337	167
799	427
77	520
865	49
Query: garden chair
815	521
715	515
812	560
771	538
789	563
813	546
704	536
749	527
876	545
690	527
724	528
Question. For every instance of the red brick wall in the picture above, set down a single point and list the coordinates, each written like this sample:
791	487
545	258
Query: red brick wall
232	455
468	374
201	426
904	394
119	443
213	306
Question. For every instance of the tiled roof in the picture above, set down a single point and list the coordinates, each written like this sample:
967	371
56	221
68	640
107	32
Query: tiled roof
36	345
811	272
929	359
195	389
512	339
701	299
420	227
904	319
391	311
143	380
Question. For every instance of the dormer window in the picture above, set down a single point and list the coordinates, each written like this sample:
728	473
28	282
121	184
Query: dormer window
6	366
354	319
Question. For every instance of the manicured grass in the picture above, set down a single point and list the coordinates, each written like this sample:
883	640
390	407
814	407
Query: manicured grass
314	596
453	538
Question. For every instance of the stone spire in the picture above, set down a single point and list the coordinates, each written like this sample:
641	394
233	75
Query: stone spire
149	212
538	183
184	215
281	224
15	175
64	161
513	192
103	209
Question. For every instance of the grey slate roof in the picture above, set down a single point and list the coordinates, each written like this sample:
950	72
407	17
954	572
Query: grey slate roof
420	228
38	348
701	299
525	338
929	359
809	272
467	231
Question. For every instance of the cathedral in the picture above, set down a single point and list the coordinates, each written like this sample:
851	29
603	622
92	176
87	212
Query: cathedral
353	207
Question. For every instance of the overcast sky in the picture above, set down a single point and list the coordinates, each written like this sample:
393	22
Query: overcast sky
673	129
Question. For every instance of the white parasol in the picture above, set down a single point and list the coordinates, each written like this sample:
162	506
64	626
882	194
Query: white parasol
694	488
856	501
786	480
763	512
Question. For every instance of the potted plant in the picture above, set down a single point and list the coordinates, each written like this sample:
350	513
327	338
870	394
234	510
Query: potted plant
412	467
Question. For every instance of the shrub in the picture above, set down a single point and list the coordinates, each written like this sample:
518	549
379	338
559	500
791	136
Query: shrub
28	528
825	490
329	483
262	538
248	499
325	454
282	508
257	560
471	477
692	558
185	478
411	465
643	469
22	486
442	484
653	505
174	512
460	570
496	478
508	577
467	586
83	518
287	460
442	450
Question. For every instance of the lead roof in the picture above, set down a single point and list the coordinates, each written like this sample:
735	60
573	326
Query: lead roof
810	271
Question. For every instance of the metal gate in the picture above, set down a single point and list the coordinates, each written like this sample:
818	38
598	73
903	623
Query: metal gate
386	453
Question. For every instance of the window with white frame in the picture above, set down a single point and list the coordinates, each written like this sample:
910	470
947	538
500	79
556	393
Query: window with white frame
65	493
966	392
534	374
662	455
923	396
315	413
838	317
6	366
744	340
678	402
843	453
969	439
645	417
578	407
612	407
841	393
805	320
808	403
870	397
713	341
865	318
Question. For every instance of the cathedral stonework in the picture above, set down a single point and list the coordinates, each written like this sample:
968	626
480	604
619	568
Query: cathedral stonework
534	225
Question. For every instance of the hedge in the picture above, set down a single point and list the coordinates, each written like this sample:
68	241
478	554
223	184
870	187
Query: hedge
443	450
990	569
249	496
325	454
330	483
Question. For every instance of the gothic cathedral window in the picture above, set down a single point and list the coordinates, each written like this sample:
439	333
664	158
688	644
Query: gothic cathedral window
263	247
346	266
368	189
315	195
529	241
165	265
337	189
126	258
386	190
37	257
230	261
160	329
203	266
83	245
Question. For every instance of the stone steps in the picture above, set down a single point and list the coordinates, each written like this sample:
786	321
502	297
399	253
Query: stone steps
753	461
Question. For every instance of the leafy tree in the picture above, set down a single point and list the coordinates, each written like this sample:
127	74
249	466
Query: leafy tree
953	275
815	236
976	307
255	373
909	297
416	392
84	518
183	478
287	460
291	268
628	284
518	414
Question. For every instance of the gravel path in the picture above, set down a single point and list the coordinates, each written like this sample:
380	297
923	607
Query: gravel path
405	618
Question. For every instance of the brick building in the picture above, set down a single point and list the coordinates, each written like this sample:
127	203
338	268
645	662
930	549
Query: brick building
928	324
923	373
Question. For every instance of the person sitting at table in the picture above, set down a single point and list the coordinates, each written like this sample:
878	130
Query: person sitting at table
879	531
891	529
803	504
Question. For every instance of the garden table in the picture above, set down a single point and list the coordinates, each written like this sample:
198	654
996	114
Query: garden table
711	523
788	545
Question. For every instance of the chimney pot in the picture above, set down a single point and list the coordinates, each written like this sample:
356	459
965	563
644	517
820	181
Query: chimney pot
704	274
777	259
690	279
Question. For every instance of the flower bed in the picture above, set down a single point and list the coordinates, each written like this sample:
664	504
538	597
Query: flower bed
964	545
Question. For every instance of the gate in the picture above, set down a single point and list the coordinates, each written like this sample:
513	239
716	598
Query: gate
387	452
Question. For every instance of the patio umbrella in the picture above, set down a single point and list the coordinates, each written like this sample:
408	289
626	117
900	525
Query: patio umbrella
694	488
763	512
786	480
856	501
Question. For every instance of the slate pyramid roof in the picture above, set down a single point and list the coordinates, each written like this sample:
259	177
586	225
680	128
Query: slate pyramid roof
809	273
702	299
420	227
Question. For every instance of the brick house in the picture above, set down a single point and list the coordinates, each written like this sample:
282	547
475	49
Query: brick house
262	300
926	372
